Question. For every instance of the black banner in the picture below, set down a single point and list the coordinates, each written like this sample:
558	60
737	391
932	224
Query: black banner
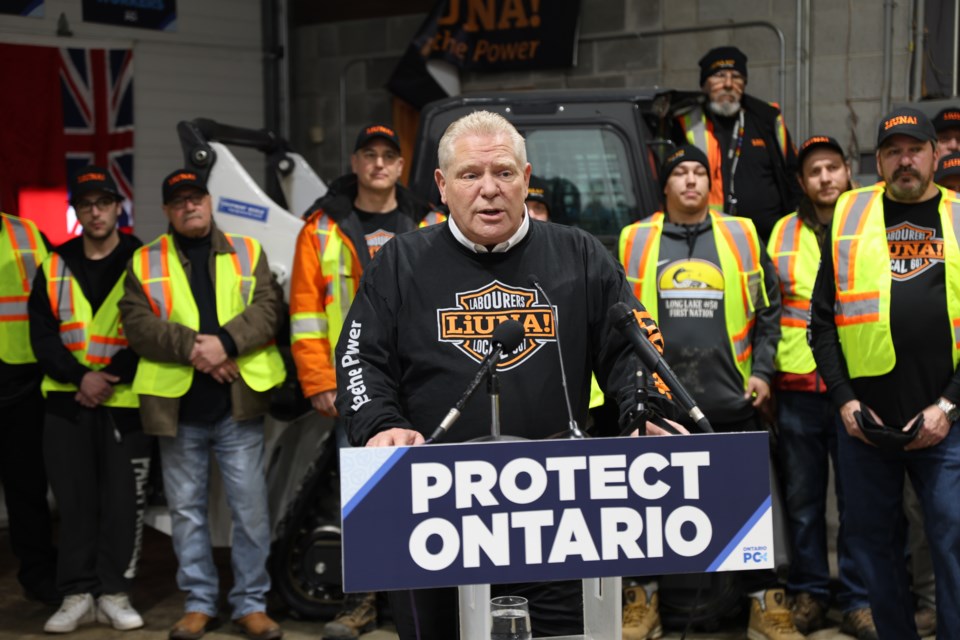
488	36
29	8
160	15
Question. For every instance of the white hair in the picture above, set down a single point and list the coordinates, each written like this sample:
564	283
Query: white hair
480	123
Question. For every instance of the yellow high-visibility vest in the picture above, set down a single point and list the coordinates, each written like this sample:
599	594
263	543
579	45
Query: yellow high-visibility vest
795	252
92	338
21	252
166	286
861	265
738	247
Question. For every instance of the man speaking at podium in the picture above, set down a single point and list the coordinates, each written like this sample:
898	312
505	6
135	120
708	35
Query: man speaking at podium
423	317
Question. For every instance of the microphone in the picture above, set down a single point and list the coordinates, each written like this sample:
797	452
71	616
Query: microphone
622	317
506	337
574	428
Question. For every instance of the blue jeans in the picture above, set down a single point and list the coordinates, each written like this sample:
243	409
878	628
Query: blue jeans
806	445
238	447
873	482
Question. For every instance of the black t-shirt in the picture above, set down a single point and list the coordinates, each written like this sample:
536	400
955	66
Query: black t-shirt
378	228
918	315
207	400
755	185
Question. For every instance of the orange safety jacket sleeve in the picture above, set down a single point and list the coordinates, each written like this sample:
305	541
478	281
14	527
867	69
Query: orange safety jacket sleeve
308	292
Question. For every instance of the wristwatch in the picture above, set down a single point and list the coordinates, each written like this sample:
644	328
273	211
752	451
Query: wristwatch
949	408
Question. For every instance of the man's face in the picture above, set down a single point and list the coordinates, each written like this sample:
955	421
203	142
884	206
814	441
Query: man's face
97	212
725	90
948	140
484	187
378	166
538	210
687	188
907	166
190	212
824	176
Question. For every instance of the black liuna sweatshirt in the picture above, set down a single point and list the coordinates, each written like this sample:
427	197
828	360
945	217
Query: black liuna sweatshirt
417	329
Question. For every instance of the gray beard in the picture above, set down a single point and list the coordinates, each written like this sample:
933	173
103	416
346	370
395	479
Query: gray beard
725	109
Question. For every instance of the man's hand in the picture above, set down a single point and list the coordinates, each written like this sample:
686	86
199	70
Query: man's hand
758	392
207	353
96	387
850	423
396	437
656	430
323	403
227	372
935	428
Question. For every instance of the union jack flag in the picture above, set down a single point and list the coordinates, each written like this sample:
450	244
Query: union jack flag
97	88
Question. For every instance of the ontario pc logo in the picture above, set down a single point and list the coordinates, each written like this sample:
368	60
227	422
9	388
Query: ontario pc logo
757	554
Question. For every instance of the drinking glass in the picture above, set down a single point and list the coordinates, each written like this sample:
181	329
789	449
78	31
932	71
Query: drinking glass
510	618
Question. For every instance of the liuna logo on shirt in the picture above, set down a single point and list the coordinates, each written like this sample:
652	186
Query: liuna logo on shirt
470	324
913	250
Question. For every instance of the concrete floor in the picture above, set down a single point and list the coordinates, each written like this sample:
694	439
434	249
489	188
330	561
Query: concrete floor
156	597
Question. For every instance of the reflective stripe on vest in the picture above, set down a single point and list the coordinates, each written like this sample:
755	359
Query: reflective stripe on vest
699	133
861	260
738	248
795	251
434	217
21	251
161	274
337	263
92	338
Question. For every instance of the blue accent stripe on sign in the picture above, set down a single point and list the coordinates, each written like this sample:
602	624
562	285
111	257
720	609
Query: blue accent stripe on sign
744	530
374	479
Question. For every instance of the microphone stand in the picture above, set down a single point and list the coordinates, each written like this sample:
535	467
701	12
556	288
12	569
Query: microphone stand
493	389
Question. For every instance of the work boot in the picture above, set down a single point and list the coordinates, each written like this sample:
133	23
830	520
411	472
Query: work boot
359	615
809	614
926	619
641	615
770	619
75	610
259	626
859	624
192	626
115	609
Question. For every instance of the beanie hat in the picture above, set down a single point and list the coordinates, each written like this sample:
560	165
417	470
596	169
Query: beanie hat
685	153
721	58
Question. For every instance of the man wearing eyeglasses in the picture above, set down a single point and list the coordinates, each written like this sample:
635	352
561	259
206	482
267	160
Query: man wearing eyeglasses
344	230
753	163
96	453
202	309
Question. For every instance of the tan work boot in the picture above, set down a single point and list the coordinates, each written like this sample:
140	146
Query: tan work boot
809	614
859	624
259	626
192	626
359	615
770	619
641	616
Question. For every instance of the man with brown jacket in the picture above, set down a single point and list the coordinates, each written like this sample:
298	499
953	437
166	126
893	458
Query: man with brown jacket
201	308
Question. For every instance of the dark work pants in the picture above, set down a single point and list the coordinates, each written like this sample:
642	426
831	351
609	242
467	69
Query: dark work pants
99	483
556	609
25	491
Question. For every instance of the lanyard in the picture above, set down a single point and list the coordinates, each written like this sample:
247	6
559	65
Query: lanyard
733	153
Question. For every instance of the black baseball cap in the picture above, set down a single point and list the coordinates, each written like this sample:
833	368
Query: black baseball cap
373	131
539	191
92	178
908	122
721	58
949	166
178	180
948	118
684	153
814	142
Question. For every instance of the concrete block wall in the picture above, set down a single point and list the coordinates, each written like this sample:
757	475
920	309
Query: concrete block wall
846	62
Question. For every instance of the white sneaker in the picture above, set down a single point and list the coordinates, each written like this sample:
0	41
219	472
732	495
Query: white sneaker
115	609
76	609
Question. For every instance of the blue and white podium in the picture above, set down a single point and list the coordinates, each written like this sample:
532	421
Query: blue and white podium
475	514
